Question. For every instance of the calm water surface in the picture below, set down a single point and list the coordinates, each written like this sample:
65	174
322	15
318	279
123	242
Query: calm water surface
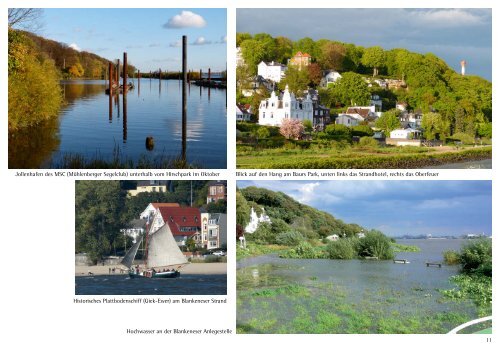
95	126
124	285
408	290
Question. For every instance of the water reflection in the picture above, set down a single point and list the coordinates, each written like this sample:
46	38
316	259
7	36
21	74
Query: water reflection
31	147
89	124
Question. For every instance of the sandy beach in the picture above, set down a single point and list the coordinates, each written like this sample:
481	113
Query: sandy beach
191	269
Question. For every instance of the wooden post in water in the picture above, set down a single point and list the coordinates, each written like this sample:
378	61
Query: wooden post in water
138	83
110	77
209	73
118	73
200	77
125	73
184	95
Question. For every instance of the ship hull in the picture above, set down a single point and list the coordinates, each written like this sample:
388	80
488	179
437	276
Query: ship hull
149	274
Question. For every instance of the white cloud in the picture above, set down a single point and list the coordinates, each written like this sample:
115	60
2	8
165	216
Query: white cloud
75	47
186	19
201	41
448	17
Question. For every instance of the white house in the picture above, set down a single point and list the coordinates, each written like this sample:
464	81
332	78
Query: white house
271	71
274	110
407	134
333	237
330	77
348	119
256	220
242	113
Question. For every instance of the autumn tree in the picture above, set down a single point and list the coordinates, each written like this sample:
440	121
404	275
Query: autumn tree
332	55
76	70
315	74
292	128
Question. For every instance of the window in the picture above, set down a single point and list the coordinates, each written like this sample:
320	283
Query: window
263	114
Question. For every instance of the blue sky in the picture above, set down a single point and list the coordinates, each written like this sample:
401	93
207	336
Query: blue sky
397	207
150	36
452	34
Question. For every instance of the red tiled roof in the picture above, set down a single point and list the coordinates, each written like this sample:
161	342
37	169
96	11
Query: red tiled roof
176	218
159	205
303	54
361	111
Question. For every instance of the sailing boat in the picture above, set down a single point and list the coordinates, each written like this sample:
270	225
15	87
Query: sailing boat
164	258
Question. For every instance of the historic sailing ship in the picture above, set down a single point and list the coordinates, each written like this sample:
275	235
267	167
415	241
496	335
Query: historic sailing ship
163	259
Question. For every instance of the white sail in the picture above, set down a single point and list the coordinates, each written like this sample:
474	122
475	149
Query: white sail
163	249
128	259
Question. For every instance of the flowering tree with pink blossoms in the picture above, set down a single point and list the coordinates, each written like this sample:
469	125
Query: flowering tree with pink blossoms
292	128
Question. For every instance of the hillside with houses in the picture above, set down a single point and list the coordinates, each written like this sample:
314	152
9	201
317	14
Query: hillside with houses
264	216
333	91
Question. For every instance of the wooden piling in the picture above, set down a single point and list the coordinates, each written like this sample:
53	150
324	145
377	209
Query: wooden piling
184	95
110	77
125	73
118	73
209	73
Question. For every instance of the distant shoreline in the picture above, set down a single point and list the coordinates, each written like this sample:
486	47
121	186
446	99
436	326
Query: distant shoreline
191	269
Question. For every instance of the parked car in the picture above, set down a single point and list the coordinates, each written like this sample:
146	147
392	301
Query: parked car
219	253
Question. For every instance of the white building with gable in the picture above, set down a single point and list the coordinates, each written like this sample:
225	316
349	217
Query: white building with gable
274	110
256	220
271	71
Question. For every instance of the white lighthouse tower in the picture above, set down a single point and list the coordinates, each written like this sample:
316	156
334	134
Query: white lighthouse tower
463	63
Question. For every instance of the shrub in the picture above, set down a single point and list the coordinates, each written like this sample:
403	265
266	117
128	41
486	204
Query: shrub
466	139
289	238
475	257
367	141
263	234
304	251
451	257
375	244
344	248
362	130
263	132
338	132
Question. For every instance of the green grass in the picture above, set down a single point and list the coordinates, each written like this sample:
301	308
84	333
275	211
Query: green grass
353	158
314	307
398	248
253	249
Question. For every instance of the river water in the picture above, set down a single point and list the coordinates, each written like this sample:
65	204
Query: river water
124	285
92	125
474	164
388	297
